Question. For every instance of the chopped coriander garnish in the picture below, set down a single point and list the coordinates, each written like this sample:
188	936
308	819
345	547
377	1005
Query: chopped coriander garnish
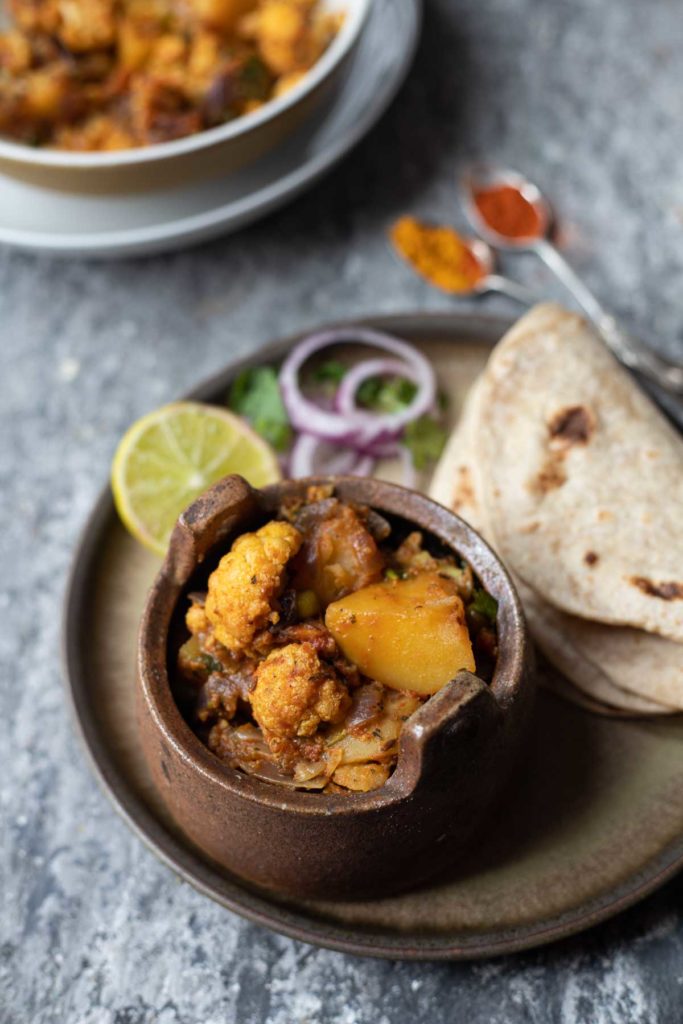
386	394
454	572
253	79
425	439
255	395
211	664
329	373
485	604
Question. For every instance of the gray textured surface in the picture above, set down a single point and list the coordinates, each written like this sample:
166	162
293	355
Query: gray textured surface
587	96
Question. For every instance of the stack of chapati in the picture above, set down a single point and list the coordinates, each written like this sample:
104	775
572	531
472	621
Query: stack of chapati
576	479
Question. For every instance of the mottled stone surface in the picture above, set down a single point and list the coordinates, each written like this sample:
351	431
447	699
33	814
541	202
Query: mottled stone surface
587	96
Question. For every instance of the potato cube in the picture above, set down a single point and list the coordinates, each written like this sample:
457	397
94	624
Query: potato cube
407	634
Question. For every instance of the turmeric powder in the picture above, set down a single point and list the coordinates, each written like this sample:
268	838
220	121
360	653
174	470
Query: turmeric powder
439	254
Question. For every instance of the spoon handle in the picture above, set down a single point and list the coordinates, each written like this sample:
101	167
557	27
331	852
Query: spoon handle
627	349
498	283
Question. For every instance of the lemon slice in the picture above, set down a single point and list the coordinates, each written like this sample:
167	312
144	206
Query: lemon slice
169	457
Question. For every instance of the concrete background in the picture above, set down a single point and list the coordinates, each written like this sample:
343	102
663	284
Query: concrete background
587	97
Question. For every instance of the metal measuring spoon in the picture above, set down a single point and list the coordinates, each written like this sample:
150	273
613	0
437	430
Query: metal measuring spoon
493	282
629	350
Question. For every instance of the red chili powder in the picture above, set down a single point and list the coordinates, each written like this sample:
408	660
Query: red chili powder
507	211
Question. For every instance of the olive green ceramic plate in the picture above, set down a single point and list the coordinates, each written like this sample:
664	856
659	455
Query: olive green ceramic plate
592	822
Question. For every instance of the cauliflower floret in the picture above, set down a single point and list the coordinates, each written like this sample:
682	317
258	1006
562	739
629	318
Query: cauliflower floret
295	692
279	29
45	91
97	133
36	15
287	82
222	14
196	620
247	582
86	24
15	53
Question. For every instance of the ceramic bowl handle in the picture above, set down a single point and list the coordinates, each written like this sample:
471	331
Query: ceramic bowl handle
461	725
207	521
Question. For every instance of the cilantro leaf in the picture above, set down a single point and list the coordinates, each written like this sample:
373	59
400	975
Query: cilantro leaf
329	373
425	439
384	394
253	80
485	604
255	395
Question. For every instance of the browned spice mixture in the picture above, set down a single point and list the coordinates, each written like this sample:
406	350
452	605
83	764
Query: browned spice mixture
319	635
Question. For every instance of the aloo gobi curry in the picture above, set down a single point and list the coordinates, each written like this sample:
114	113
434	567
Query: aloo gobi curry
320	634
115	74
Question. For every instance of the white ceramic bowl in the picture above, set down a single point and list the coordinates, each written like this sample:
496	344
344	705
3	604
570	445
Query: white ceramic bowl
211	153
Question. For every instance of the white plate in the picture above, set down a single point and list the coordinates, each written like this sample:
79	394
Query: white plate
41	220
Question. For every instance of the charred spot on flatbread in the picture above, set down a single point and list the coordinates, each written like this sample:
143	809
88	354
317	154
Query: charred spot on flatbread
550	476
591	558
571	426
464	489
665	591
568	427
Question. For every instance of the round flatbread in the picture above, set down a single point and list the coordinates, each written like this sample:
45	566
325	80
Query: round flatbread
582	477
625	669
552	679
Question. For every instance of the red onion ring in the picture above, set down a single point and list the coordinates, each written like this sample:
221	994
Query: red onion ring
364	466
308	452
408	468
408	471
383	449
359	427
345	399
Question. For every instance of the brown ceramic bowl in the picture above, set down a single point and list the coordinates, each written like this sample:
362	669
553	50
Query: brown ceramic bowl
454	753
